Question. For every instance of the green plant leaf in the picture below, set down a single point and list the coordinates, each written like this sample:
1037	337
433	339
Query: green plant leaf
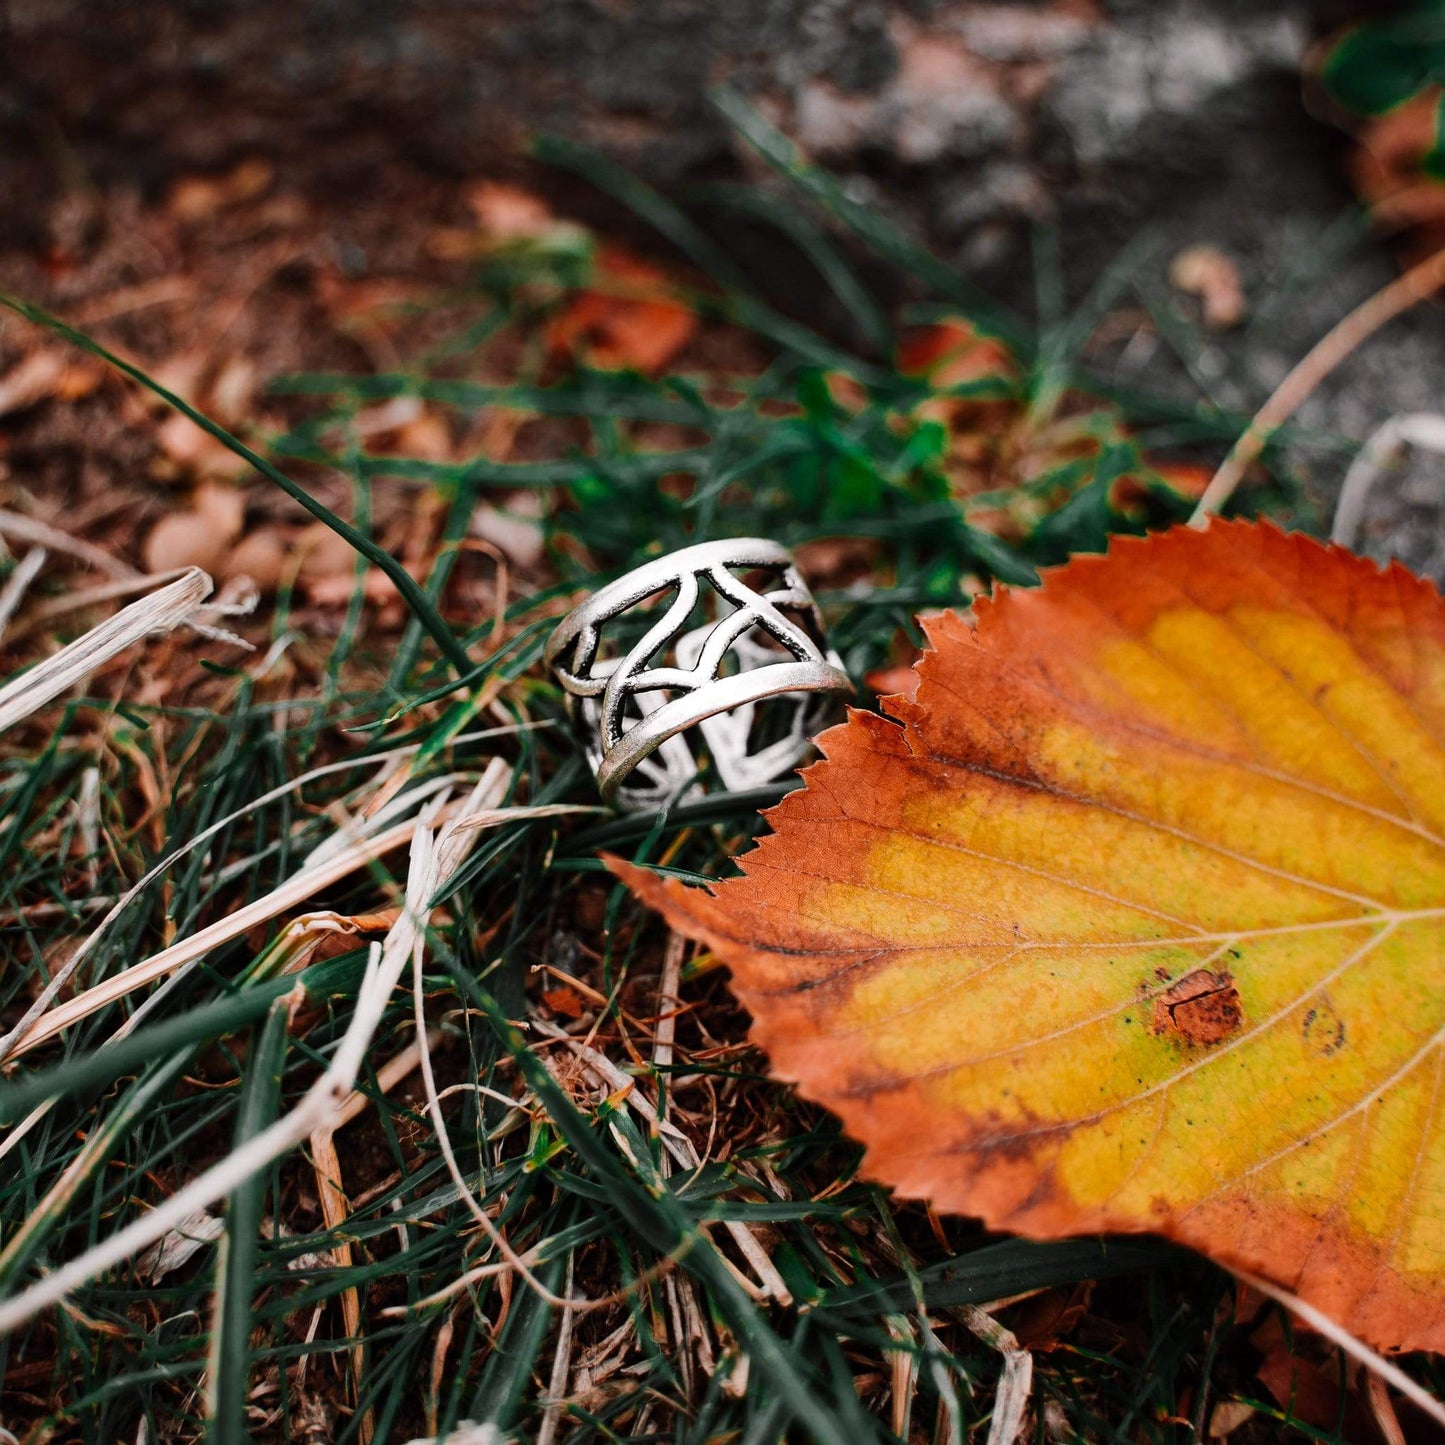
1376	67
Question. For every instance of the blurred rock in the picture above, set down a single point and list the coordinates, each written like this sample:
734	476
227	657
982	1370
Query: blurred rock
320	88
1174	123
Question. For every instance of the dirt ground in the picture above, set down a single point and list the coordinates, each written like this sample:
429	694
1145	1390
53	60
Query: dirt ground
1128	132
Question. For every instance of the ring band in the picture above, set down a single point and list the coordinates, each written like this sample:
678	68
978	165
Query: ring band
764	646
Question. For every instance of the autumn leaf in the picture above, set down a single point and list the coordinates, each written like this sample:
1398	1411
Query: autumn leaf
1134	919
629	318
954	352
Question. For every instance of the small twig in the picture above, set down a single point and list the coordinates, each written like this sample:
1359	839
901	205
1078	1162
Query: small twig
1391	301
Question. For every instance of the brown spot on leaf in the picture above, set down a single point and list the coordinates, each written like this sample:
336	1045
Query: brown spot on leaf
1202	1008
1324	1030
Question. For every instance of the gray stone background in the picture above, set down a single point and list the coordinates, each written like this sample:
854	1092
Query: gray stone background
1166	122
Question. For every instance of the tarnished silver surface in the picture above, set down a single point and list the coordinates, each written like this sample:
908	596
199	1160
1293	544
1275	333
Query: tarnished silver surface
753	681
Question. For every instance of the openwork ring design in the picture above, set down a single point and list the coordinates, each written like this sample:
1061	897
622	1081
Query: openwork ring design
754	680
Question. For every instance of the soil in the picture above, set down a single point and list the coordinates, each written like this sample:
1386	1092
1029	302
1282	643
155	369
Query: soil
1110	123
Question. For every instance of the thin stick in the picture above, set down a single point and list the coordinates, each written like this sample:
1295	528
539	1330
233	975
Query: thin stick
1391	301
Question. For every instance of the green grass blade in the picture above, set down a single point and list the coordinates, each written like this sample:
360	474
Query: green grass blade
137	1103
741	304
85	1072
661	1220
511	1365
230	1349
889	242
1010	1267
639	197
818	246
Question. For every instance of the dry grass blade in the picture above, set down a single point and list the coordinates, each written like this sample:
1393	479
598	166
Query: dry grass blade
328	869
25	1035
26	571
303	886
1389	302
1012	1399
1424	430
432	864
41	534
561	1366
160	612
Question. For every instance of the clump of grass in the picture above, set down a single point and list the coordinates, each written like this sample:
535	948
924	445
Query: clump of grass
623	1230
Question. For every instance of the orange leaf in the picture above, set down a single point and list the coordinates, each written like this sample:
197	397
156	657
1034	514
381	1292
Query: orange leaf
1387	165
628	320
951	352
566	1001
1137	921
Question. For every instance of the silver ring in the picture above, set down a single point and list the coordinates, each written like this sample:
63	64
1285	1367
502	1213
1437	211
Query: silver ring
631	704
